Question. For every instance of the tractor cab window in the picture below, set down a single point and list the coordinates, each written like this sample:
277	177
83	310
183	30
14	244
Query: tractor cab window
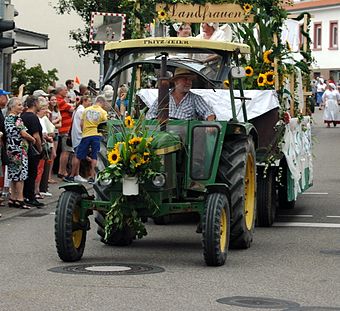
203	148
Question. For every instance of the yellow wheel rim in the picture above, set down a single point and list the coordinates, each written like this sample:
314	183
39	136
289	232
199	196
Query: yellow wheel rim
223	230
249	204
77	235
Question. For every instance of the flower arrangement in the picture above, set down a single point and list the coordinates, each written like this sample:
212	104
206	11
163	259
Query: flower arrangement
135	155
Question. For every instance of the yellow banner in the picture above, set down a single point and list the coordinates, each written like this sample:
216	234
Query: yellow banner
195	13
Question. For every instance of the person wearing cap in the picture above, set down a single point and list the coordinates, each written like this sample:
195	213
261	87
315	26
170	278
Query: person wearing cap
184	104
331	100
40	93
211	31
108	94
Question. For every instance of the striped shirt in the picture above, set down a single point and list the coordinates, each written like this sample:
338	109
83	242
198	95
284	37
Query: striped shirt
66	115
191	107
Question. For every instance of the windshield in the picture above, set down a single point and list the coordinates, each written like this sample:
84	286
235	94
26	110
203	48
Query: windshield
205	63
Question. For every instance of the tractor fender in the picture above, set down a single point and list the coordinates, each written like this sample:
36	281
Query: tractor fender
246	129
75	187
219	188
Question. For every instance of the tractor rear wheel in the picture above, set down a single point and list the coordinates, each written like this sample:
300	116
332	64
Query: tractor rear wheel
216	229
122	237
238	170
70	234
266	196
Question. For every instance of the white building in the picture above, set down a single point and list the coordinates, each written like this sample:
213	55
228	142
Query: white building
324	34
39	16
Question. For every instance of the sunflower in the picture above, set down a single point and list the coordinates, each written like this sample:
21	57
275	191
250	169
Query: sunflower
162	15
118	144
266	56
145	158
261	80
135	141
247	8
249	71
134	157
270	77
113	156
226	84
129	122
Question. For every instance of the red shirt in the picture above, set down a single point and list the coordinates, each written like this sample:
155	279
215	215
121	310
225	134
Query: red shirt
66	115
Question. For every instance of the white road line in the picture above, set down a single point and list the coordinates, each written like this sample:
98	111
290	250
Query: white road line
333	216
315	193
306	224
302	216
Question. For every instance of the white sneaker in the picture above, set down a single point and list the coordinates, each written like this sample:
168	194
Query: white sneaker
46	194
78	178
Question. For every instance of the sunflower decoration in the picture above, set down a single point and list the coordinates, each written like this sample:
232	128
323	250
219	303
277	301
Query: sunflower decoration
129	122
162	15
247	8
270	77
134	141
267	58
226	84
261	80
249	71
113	156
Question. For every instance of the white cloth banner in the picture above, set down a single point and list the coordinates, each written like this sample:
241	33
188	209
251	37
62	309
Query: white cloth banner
260	103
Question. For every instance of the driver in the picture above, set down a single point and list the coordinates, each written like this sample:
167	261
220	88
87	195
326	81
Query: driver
183	104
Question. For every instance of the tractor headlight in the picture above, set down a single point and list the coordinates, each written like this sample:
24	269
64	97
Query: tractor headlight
159	180
104	182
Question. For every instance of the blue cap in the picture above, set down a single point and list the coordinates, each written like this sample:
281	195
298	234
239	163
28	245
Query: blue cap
2	92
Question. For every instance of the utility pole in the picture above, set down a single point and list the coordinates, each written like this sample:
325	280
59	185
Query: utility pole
6	42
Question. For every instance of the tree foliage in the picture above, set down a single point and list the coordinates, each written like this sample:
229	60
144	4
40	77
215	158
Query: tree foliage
34	77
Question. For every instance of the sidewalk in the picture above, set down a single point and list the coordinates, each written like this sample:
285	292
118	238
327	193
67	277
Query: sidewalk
10	212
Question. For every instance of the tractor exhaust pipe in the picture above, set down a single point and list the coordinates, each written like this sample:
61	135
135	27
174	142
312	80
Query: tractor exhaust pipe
163	93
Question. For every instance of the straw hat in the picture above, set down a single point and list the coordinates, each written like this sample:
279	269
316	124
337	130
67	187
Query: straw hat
183	73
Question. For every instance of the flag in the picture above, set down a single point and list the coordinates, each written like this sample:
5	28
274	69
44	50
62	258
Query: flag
77	80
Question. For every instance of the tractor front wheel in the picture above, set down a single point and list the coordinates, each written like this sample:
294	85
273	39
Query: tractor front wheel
70	233
216	229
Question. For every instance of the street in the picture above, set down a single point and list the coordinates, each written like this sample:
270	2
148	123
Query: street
292	266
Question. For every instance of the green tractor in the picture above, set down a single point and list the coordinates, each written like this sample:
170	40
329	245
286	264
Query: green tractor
208	167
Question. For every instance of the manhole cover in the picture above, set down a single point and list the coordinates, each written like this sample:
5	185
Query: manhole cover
34	215
330	251
311	308
108	269
257	302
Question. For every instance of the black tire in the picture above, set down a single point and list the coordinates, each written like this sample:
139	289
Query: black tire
237	169
122	237
266	196
282	187
216	229
70	234
161	220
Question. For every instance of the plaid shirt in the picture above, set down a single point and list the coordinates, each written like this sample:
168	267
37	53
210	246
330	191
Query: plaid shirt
191	107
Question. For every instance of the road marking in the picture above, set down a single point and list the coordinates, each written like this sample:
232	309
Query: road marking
316	193
302	216
306	224
333	216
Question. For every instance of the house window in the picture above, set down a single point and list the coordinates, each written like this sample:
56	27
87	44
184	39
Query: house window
317	36
333	35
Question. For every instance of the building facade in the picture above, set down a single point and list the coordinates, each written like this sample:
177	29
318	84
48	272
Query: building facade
324	33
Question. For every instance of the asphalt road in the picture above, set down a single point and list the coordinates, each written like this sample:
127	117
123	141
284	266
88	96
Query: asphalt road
297	260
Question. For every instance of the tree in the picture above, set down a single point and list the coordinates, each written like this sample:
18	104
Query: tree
34	77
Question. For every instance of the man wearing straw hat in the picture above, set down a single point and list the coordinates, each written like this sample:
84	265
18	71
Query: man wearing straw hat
183	104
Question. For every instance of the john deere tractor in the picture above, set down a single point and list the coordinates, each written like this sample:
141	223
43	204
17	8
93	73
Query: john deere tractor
208	167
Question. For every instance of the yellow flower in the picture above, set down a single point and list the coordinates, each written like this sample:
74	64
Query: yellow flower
149	140
134	157
247	8
135	141
113	156
226	84
266	56
162	16
261	80
129	122
249	71
270	77
118	144
145	158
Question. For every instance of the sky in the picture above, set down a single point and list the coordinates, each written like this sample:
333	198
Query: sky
39	16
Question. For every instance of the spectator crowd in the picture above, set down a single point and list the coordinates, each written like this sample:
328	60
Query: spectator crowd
49	137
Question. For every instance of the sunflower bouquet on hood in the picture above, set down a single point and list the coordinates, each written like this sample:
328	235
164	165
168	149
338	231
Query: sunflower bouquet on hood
133	153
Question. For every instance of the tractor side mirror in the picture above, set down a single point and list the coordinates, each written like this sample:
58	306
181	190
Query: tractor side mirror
238	72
